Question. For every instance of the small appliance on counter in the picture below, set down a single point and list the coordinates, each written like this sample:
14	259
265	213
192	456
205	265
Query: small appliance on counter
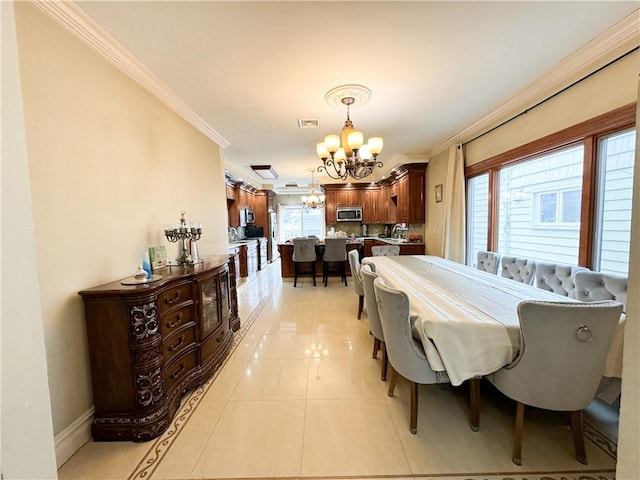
254	232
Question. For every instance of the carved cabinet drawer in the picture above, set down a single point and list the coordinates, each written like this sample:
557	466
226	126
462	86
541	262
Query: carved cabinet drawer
179	368
173	320
173	297
175	344
212	344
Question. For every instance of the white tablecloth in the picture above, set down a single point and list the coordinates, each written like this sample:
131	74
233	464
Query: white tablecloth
466	319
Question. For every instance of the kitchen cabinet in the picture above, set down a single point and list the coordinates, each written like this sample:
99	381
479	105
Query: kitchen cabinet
408	195
330	206
371	205
231	191
399	199
348	197
149	343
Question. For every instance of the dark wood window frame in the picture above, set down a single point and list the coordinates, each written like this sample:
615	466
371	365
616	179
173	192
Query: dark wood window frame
588	134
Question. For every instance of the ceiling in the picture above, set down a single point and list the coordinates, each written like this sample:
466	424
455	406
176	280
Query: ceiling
250	70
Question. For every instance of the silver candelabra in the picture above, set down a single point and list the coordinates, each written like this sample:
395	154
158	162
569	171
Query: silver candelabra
186	232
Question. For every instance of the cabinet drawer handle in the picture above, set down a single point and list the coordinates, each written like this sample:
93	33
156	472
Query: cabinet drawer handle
175	375
174	347
220	337
171	324
171	301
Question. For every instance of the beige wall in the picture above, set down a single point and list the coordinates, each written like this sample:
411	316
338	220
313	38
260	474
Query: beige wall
27	432
613	87
109	164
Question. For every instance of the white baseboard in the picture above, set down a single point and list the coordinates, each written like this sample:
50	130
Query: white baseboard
72	438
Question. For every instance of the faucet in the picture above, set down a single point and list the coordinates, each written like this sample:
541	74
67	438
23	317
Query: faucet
398	230
233	234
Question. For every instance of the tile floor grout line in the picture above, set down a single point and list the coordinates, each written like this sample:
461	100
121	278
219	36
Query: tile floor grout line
148	465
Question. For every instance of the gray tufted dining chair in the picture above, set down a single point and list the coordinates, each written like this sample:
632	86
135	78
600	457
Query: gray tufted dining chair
488	261
368	277
563	348
521	270
304	251
596	286
354	265
385	250
557	278
335	251
406	354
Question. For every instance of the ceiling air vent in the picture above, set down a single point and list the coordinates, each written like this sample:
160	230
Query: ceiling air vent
291	185
308	122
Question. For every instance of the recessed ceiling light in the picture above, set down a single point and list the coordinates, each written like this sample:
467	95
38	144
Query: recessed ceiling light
265	171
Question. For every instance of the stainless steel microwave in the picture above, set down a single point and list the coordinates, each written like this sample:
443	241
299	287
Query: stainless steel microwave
349	214
247	217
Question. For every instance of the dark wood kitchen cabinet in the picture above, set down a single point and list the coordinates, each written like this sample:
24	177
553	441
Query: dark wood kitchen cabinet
150	343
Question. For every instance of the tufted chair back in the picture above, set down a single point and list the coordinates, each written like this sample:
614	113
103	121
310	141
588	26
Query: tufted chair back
335	250
368	277
521	270
354	265
304	250
596	286
385	250
557	278
488	262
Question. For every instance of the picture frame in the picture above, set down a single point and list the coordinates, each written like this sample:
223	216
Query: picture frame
158	257
438	193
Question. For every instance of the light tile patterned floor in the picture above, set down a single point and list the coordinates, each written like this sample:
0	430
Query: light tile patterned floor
300	396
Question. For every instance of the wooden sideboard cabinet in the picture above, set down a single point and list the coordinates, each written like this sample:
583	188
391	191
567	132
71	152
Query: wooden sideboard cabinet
150	343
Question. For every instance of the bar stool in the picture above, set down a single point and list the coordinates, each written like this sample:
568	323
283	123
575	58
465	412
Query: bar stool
304	251
335	251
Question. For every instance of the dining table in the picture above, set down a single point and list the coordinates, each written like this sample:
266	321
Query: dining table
466	319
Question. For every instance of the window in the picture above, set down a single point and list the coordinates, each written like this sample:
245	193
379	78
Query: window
557	208
564	198
297	221
614	196
539	208
477	219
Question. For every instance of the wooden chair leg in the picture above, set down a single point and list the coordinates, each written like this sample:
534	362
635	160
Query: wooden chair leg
474	404
313	269
578	437
413	422
392	381
376	347
295	274
517	440
360	305
385	362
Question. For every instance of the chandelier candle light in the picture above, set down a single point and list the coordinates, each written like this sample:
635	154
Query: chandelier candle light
187	233
313	200
345	155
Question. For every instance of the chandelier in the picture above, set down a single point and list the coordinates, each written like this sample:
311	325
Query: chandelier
345	155
313	200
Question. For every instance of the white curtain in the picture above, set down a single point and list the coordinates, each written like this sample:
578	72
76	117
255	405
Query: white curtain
454	231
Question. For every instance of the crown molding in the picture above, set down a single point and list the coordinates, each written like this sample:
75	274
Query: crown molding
593	55
72	18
